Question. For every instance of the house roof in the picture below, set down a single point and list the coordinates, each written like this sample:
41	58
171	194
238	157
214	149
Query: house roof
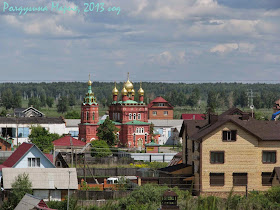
166	123
176	159
72	122
264	130
68	141
193	116
18	154
174	167
158	99
32	120
30	201
43	178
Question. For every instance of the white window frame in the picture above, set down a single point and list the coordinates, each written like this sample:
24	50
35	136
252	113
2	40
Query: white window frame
139	116
130	116
134	116
34	162
165	113
154	113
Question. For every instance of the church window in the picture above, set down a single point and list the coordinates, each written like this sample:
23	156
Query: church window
87	116
137	130
130	116
139	116
92	115
146	137
142	130
134	116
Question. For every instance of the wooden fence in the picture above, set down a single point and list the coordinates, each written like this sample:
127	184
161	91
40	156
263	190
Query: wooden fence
106	172
99	195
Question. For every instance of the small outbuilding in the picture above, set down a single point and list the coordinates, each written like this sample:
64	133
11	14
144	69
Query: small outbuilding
152	147
31	202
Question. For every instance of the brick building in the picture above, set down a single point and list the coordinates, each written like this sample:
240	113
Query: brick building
129	115
160	109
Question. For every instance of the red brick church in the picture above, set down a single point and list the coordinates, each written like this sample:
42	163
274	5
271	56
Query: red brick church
129	115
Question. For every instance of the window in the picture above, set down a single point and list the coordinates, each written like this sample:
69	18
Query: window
92	115
269	157
229	135
240	179
118	136
33	162
266	178
134	116
87	116
217	179
58	164
130	116
154	113
23	132
217	157
139	116
142	130
146	137
160	104
165	112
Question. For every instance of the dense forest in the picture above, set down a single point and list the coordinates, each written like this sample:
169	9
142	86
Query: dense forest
213	95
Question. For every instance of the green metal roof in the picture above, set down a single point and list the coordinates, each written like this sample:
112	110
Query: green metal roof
102	121
152	144
136	122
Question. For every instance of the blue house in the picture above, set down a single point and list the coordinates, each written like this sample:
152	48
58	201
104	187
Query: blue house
27	155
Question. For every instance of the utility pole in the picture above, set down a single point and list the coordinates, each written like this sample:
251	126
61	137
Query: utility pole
251	96
68	191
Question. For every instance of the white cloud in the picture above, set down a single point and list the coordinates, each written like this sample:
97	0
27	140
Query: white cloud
230	47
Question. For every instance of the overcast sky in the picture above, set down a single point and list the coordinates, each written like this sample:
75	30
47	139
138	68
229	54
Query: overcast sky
155	40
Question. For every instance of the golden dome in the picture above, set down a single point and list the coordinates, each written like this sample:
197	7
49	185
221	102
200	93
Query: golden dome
141	91
89	82
124	91
128	85
132	92
115	90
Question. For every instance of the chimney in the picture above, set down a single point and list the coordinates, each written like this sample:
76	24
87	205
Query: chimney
245	116
212	118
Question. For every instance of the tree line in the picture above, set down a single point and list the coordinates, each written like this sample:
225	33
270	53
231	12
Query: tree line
215	95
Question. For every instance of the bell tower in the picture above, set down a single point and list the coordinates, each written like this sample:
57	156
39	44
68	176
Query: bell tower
89	116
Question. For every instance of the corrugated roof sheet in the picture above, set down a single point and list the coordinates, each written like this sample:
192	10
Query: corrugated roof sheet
193	116
66	141
72	122
32	120
43	178
166	123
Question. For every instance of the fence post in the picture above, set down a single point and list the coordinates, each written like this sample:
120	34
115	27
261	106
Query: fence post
150	158
163	158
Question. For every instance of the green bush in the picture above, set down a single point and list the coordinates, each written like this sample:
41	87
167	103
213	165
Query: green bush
100	148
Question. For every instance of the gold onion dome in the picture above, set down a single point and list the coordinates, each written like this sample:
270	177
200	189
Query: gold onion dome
128	85
141	91
133	92
124	91
115	90
89	82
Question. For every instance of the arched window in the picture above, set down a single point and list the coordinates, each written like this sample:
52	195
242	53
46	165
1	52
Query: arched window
142	130
130	116
87	116
139	116
137	130
92	115
146	137
134	116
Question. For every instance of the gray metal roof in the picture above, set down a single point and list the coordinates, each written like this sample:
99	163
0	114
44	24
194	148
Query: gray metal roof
31	120
43	178
167	123
28	202
72	122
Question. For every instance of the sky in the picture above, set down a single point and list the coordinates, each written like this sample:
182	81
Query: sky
154	40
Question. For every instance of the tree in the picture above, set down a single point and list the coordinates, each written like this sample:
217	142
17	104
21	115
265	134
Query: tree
72	100
73	115
212	101
50	101
20	187
7	98
17	100
35	102
107	132
42	138
62	105
43	100
100	148
194	98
